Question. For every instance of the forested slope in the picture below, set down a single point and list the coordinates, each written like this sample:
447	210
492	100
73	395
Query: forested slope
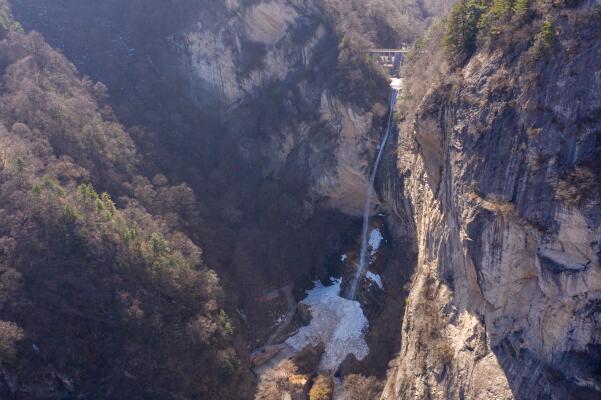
101	294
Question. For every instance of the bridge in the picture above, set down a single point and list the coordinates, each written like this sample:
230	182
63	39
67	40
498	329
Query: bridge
387	51
389	58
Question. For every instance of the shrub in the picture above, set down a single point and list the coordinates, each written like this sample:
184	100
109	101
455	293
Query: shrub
501	8
225	322
445	353
201	329
10	335
358	77
496	19
359	387
580	184
228	362
547	32
275	383
7	22
10	282
322	389
520	7
307	360
544	40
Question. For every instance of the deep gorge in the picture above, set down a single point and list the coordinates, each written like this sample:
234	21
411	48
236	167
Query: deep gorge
185	200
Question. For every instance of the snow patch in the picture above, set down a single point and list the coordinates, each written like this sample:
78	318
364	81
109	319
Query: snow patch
343	258
375	278
396	83
336	322
375	239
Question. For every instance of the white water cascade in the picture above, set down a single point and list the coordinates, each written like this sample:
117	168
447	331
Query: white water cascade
370	192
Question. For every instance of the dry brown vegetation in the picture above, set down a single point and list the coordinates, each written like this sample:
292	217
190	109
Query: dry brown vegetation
109	294
322	389
581	183
425	69
282	380
359	387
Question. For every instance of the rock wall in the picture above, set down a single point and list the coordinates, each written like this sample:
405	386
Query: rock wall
283	37
499	167
216	53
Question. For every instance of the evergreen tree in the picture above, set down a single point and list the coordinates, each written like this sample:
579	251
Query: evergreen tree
462	29
520	7
547	32
500	8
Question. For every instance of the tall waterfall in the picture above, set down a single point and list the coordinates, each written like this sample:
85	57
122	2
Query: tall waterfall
370	192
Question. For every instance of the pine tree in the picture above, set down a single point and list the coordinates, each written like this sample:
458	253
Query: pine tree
462	29
500	8
520	7
547	32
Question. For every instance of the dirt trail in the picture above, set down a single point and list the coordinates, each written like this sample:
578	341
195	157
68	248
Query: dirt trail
284	353
280	351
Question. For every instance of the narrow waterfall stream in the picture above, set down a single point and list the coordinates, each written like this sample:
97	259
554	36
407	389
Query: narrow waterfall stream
370	192
337	322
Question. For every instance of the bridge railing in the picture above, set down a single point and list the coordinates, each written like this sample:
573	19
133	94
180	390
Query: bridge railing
404	50
389	58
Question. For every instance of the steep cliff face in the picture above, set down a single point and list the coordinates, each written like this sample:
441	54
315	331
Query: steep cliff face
254	45
99	298
500	167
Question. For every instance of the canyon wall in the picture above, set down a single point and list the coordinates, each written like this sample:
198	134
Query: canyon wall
500	170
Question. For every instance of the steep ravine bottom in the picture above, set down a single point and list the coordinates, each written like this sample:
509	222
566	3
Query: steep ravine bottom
346	335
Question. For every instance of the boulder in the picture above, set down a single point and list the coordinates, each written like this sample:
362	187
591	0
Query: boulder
307	360
350	365
304	313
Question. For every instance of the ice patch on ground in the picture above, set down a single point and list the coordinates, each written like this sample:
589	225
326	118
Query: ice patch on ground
336	322
396	83
375	278
375	239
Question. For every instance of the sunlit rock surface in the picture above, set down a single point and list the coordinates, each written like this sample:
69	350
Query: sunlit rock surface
505	300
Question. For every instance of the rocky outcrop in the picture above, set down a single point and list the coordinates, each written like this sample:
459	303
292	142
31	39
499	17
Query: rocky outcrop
504	303
345	185
282	36
251	47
